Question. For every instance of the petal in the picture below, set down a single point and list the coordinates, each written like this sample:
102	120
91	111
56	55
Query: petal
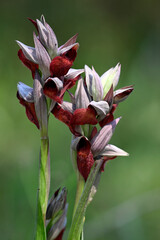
73	73
59	66
52	88
25	92
47	37
94	85
29	52
40	102
30	110
43	58
75	142
122	93
56	231
62	115
109	96
56	203
67	106
85	159
112	151
81	95
109	117
71	52
110	77
102	138
72	77
84	116
32	66
70	42
101	107
65	117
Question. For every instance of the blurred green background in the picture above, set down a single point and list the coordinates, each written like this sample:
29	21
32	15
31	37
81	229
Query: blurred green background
127	204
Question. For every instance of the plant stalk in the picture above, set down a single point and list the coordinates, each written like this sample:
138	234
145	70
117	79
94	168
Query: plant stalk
79	216
44	185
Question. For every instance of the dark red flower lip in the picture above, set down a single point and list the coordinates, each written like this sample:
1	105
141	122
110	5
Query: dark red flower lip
30	110
32	66
85	159
80	116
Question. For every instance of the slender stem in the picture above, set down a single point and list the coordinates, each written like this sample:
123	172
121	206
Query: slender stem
80	182
80	187
44	185
79	216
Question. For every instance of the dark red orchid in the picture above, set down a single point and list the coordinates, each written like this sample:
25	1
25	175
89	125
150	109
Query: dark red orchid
55	88
85	158
78	117
96	148
60	65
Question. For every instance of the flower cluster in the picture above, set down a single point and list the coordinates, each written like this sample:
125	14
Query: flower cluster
93	105
50	64
90	113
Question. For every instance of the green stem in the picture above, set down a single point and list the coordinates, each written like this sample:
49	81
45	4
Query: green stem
78	220
44	185
80	183
80	187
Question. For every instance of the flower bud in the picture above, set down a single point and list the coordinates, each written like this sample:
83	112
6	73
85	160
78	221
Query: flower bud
110	77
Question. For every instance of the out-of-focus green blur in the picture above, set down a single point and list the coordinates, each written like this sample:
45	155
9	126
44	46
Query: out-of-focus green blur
127	204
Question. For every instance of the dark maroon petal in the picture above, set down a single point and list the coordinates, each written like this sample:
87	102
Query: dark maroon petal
62	115
59	66
109	96
71	54
65	117
109	117
71	82
83	116
32	66
50	90
30	110
122	93
71	41
85	159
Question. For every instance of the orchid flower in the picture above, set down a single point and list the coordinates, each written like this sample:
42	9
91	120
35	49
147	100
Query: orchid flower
52	63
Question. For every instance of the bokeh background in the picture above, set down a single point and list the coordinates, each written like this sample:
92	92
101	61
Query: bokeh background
127	204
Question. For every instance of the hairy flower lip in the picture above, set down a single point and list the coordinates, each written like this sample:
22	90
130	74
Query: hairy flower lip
85	159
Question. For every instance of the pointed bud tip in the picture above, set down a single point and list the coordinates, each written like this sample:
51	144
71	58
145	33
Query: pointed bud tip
117	120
